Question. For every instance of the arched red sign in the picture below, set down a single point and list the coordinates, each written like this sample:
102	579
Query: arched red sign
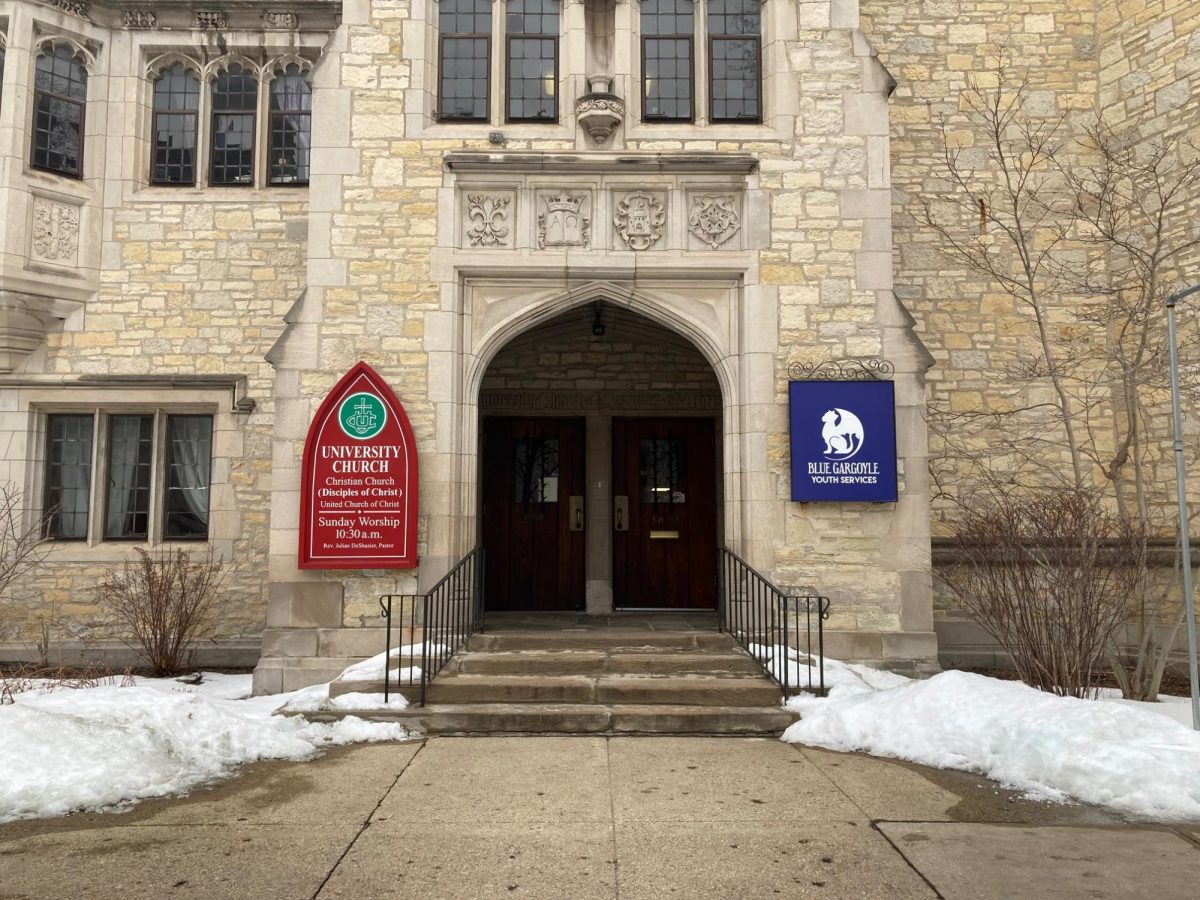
358	496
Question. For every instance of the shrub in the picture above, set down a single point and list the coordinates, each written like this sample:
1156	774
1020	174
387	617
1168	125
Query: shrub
1048	573
165	602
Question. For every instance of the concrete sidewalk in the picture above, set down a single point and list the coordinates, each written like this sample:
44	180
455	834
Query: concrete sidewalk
563	817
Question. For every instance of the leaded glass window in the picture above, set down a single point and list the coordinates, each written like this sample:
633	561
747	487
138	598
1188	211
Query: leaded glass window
531	28
465	28
176	108
735	60
667	35
189	455
68	475
234	104
535	473
290	124
60	96
130	457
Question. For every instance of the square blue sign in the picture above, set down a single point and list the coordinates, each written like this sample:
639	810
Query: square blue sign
843	436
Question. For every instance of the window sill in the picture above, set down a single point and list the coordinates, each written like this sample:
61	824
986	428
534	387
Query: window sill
218	194
115	551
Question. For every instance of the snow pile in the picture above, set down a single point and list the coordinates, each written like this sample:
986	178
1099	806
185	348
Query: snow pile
109	746
1130	757
373	669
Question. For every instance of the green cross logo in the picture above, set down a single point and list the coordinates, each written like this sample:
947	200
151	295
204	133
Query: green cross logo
362	416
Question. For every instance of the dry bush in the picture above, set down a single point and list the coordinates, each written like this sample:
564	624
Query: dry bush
165	601
17	679
1048	573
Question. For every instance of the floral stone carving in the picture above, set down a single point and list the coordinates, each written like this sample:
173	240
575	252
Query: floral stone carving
639	219
139	18
488	226
55	235
210	19
714	219
563	224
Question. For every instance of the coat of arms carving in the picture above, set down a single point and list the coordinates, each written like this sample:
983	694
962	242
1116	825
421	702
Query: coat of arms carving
488	226
563	223
714	219
639	219
55	235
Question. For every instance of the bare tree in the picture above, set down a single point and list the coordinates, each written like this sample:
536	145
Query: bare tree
165	601
1047	574
1085	237
23	542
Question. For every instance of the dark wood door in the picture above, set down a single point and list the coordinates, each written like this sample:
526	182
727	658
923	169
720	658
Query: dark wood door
533	517
664	513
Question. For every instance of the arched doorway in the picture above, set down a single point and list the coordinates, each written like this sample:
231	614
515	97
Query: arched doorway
600	466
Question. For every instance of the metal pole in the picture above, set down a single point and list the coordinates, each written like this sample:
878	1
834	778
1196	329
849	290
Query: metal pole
1181	491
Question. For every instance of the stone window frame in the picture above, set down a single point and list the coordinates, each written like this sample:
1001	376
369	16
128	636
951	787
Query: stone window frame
421	106
47	42
3	56
776	119
94	540
207	73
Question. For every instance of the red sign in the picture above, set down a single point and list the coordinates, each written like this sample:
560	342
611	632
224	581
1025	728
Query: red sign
358	497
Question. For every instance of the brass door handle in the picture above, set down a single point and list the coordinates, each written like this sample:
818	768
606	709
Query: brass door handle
576	513
621	513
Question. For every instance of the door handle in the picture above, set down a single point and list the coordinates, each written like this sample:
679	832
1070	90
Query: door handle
621	513
576	512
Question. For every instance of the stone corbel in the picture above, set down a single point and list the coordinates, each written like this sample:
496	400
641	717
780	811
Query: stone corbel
600	111
22	329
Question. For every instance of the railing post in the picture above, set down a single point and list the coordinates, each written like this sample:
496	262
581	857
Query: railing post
424	644
386	612
787	656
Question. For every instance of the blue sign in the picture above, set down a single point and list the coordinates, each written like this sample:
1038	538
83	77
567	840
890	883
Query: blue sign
843	441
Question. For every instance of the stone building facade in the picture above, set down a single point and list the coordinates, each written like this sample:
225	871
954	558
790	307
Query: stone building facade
376	180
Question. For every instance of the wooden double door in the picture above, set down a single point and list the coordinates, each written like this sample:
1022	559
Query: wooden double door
662	527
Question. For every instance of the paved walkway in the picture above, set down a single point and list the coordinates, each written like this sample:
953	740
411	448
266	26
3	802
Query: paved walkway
546	817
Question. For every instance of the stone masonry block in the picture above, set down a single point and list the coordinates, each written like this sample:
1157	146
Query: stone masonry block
910	645
305	605
289	642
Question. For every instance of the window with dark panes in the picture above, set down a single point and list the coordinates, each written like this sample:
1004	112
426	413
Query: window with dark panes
531	61
130	458
68	485
234	103
290	125
176	108
59	98
735	60
189	463
464	45
667	33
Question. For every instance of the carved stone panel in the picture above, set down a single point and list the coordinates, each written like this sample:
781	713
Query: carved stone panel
280	21
714	218
564	219
54	237
139	18
639	218
211	19
488	219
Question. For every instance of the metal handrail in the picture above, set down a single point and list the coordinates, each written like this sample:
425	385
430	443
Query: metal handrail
770	623
449	613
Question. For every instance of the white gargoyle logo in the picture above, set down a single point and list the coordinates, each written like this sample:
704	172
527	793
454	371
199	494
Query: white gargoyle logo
843	434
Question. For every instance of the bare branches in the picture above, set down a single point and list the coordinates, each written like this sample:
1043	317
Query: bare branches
23	545
165	600
1047	574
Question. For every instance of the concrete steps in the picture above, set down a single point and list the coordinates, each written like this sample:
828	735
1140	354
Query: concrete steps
579	718
617	677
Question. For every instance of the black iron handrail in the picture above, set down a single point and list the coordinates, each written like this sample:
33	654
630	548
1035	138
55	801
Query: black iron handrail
772	625
445	617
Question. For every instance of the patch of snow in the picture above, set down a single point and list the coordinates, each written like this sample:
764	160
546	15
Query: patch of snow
373	669
108	747
1134	758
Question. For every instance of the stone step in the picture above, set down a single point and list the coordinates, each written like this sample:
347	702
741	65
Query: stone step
569	718
613	640
597	662
690	690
